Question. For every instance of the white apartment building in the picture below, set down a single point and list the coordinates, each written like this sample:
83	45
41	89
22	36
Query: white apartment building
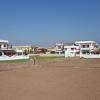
71	50
86	47
8	53
4	44
59	48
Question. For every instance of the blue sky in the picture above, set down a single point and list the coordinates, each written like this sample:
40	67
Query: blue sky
45	22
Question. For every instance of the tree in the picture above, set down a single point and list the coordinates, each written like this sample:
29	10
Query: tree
43	50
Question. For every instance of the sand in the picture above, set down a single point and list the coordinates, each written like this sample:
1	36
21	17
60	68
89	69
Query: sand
56	79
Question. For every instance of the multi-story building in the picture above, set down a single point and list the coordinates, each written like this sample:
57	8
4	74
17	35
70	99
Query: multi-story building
24	48
4	44
71	50
86	47
30	49
81	48
9	53
58	48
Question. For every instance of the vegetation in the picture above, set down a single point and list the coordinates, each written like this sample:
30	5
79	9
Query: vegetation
45	57
43	50
14	61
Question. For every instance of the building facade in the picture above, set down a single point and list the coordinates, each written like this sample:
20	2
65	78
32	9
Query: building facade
58	48
4	44
9	53
81	48
86	47
71	50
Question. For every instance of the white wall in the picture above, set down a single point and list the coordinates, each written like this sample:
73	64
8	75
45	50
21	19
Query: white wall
90	56
2	58
69	52
3	47
3	42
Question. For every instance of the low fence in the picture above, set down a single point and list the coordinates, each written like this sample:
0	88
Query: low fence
90	56
47	55
2	58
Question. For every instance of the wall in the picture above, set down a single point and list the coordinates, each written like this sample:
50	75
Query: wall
90	56
2	58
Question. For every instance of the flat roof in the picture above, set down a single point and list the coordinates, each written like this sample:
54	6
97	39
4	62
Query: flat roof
78	42
71	46
4	41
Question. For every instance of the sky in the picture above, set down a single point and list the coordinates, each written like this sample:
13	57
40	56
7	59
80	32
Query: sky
45	22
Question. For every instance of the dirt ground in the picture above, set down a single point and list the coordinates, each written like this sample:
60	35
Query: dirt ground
55	79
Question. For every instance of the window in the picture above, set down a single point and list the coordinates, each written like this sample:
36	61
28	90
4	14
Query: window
52	52
87	46
0	53
83	46
4	45
66	49
86	52
77	52
19	53
72	48
59	47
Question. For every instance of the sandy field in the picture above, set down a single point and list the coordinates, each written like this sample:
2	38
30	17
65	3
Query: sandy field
52	79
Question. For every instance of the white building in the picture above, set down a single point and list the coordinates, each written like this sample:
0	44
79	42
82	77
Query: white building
4	44
86	47
59	48
71	50
8	53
